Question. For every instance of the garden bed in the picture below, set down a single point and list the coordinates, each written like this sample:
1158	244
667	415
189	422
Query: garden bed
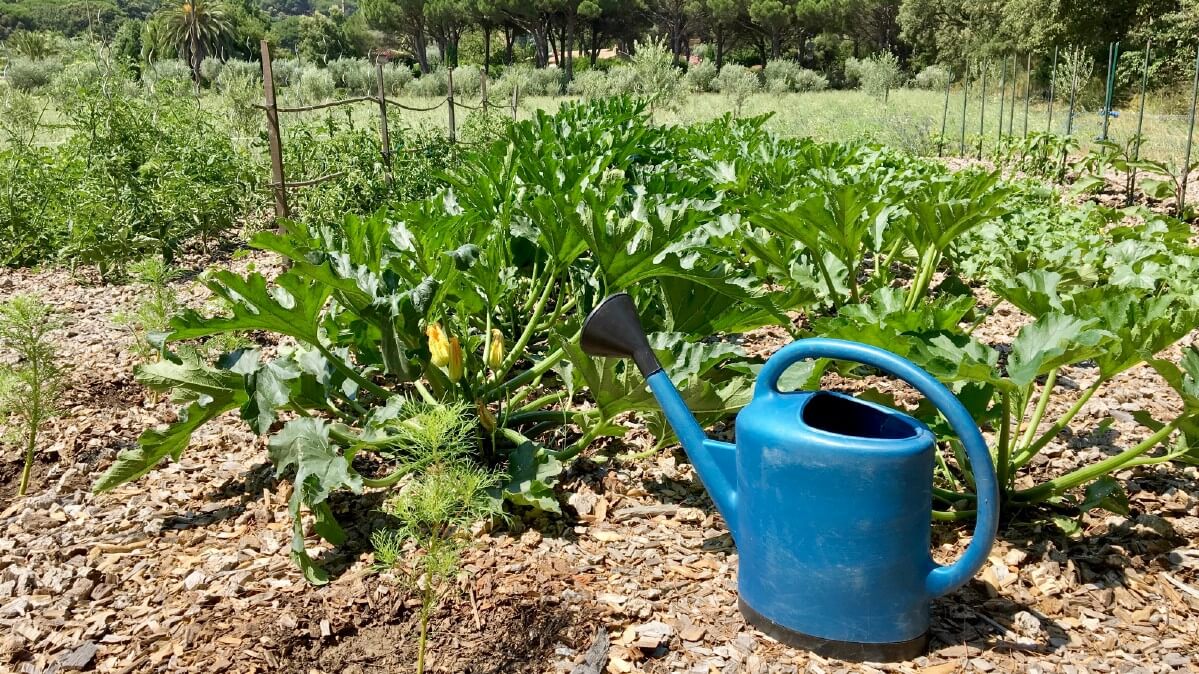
187	570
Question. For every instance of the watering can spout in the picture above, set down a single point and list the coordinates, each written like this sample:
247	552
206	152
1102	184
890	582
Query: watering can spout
614	329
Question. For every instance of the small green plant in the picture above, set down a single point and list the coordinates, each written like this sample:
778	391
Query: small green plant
699	77
30	388
432	514
738	83
155	306
658	80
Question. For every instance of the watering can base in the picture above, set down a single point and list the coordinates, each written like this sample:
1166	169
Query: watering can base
830	648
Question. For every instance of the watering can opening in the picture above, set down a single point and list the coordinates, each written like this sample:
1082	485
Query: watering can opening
844	415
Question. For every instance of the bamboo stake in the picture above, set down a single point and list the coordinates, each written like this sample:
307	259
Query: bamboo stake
384	136
272	130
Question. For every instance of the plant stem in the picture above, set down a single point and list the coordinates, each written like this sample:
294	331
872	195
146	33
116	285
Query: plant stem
350	373
538	369
30	445
953	516
1005	446
1085	474
540	402
1025	455
518	348
580	444
1039	412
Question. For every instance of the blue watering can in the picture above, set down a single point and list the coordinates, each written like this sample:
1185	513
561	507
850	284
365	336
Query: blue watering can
828	497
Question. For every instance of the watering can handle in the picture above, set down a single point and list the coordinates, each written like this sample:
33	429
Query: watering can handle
942	579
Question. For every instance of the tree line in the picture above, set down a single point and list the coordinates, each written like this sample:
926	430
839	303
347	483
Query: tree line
819	34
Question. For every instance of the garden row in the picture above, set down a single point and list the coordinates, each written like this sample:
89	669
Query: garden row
398	324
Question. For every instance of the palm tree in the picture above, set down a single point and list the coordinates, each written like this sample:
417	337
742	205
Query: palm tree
196	29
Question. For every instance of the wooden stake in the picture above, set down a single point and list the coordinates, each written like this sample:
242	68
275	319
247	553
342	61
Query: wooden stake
272	131
384	136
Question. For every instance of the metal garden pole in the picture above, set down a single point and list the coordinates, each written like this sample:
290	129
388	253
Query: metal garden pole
982	109
1070	112
1027	91
450	101
1136	150
1186	161
1052	84
944	116
965	101
279	187
1002	92
1113	59
1011	114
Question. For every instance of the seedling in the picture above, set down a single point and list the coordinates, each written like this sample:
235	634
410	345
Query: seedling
30	389
432	515
155	306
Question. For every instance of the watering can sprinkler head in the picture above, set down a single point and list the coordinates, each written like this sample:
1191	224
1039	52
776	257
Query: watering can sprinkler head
614	329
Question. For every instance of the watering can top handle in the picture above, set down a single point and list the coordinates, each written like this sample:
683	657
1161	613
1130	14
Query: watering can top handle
942	579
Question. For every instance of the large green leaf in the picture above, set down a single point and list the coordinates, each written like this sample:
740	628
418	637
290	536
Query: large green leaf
292	307
1054	340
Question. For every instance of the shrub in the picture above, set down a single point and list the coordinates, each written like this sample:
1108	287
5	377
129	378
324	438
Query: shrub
171	70
699	77
737	82
287	72
810	80
210	69
932	77
27	75
396	77
485	127
354	76
529	80
468	80
316	84
657	77
73	77
622	80
430	85
589	84
545	81
877	75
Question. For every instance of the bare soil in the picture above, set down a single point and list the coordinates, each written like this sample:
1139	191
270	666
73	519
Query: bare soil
187	569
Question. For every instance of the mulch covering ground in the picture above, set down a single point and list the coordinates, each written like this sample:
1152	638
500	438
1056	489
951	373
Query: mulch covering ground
187	569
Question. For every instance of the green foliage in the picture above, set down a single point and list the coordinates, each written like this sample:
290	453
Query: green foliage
875	75
658	80
933	78
32	387
316	85
784	75
699	77
27	75
738	83
156	305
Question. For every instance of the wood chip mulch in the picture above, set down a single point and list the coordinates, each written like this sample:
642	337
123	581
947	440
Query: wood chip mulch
187	569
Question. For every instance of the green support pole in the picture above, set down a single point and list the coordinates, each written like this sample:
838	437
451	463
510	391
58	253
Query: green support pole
1002	93
1113	60
1136	150
965	101
1186	161
1052	84
982	108
1027	92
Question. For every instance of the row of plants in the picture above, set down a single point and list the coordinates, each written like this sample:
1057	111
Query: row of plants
474	297
137	171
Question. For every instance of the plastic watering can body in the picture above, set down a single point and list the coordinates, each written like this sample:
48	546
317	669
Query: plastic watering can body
828	497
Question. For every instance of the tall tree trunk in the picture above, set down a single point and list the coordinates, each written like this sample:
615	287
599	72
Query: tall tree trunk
568	46
420	46
776	44
509	41
595	44
540	48
719	47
